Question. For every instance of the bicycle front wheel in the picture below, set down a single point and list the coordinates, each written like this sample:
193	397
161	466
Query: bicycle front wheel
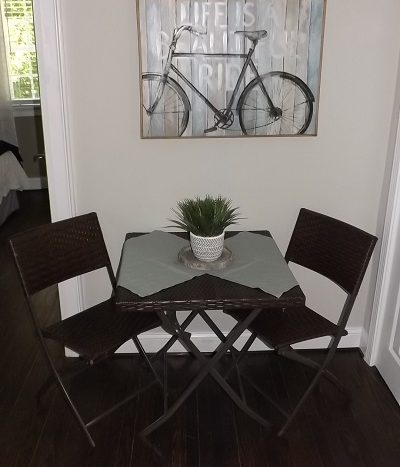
170	116
291	110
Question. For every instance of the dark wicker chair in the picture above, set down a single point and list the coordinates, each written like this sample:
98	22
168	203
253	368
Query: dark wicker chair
52	253
339	252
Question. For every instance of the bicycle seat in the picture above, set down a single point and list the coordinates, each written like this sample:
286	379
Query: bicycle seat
254	35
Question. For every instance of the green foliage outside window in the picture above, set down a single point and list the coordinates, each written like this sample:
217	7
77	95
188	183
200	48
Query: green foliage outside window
20	38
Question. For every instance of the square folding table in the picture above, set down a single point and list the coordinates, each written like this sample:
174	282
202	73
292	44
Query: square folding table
202	295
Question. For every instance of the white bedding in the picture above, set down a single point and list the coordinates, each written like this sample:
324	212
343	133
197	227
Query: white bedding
12	175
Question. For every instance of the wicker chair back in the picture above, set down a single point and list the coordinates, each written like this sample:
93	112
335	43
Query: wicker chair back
53	253
330	247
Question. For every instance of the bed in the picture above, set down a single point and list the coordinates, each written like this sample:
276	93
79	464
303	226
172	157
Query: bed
12	178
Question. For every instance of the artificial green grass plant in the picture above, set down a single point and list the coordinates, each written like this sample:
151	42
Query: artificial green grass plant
206	217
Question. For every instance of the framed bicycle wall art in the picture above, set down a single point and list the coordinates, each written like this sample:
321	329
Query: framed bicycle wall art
229	68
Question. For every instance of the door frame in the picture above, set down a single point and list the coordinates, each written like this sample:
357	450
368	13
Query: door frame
54	108
388	278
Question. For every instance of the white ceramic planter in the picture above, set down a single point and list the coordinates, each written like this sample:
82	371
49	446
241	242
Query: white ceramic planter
207	249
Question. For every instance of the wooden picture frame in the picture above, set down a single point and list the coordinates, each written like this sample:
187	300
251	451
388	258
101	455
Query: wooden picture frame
229	68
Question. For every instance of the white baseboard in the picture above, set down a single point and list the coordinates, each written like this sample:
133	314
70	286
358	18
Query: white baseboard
207	342
37	183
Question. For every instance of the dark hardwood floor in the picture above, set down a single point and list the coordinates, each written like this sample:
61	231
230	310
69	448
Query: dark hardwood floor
207	431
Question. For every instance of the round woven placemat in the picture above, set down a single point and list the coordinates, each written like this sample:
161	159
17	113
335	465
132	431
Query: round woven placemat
187	257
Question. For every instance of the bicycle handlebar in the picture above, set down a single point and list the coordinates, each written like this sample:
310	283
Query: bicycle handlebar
192	29
197	31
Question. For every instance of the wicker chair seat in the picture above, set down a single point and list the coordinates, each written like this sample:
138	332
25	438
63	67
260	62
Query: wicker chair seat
279	328
100	330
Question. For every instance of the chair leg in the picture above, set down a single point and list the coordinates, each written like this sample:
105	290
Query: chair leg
50	379
65	394
69	402
314	382
142	352
291	354
300	403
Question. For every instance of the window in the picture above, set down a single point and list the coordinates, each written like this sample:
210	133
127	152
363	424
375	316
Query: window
21	50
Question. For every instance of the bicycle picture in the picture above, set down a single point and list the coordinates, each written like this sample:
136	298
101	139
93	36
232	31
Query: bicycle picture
192	93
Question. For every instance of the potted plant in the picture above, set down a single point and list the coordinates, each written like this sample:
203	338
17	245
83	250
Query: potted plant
206	220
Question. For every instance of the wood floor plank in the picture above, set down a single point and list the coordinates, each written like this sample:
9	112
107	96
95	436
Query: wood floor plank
373	406
259	446
255	447
321	412
218	440
61	442
28	419
126	439
176	442
151	451
106	433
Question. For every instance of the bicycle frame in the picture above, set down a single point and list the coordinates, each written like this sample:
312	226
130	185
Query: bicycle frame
248	62
224	115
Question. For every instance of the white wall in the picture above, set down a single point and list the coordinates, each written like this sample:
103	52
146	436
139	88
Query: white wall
133	184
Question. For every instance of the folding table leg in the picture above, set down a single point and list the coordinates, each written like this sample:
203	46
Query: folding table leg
209	368
239	353
210	323
237	358
221	380
247	345
174	337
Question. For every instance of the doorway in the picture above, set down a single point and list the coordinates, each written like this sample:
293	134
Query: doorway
20	76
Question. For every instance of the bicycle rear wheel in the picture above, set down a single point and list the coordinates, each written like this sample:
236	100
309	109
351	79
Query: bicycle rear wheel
170	117
292	108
